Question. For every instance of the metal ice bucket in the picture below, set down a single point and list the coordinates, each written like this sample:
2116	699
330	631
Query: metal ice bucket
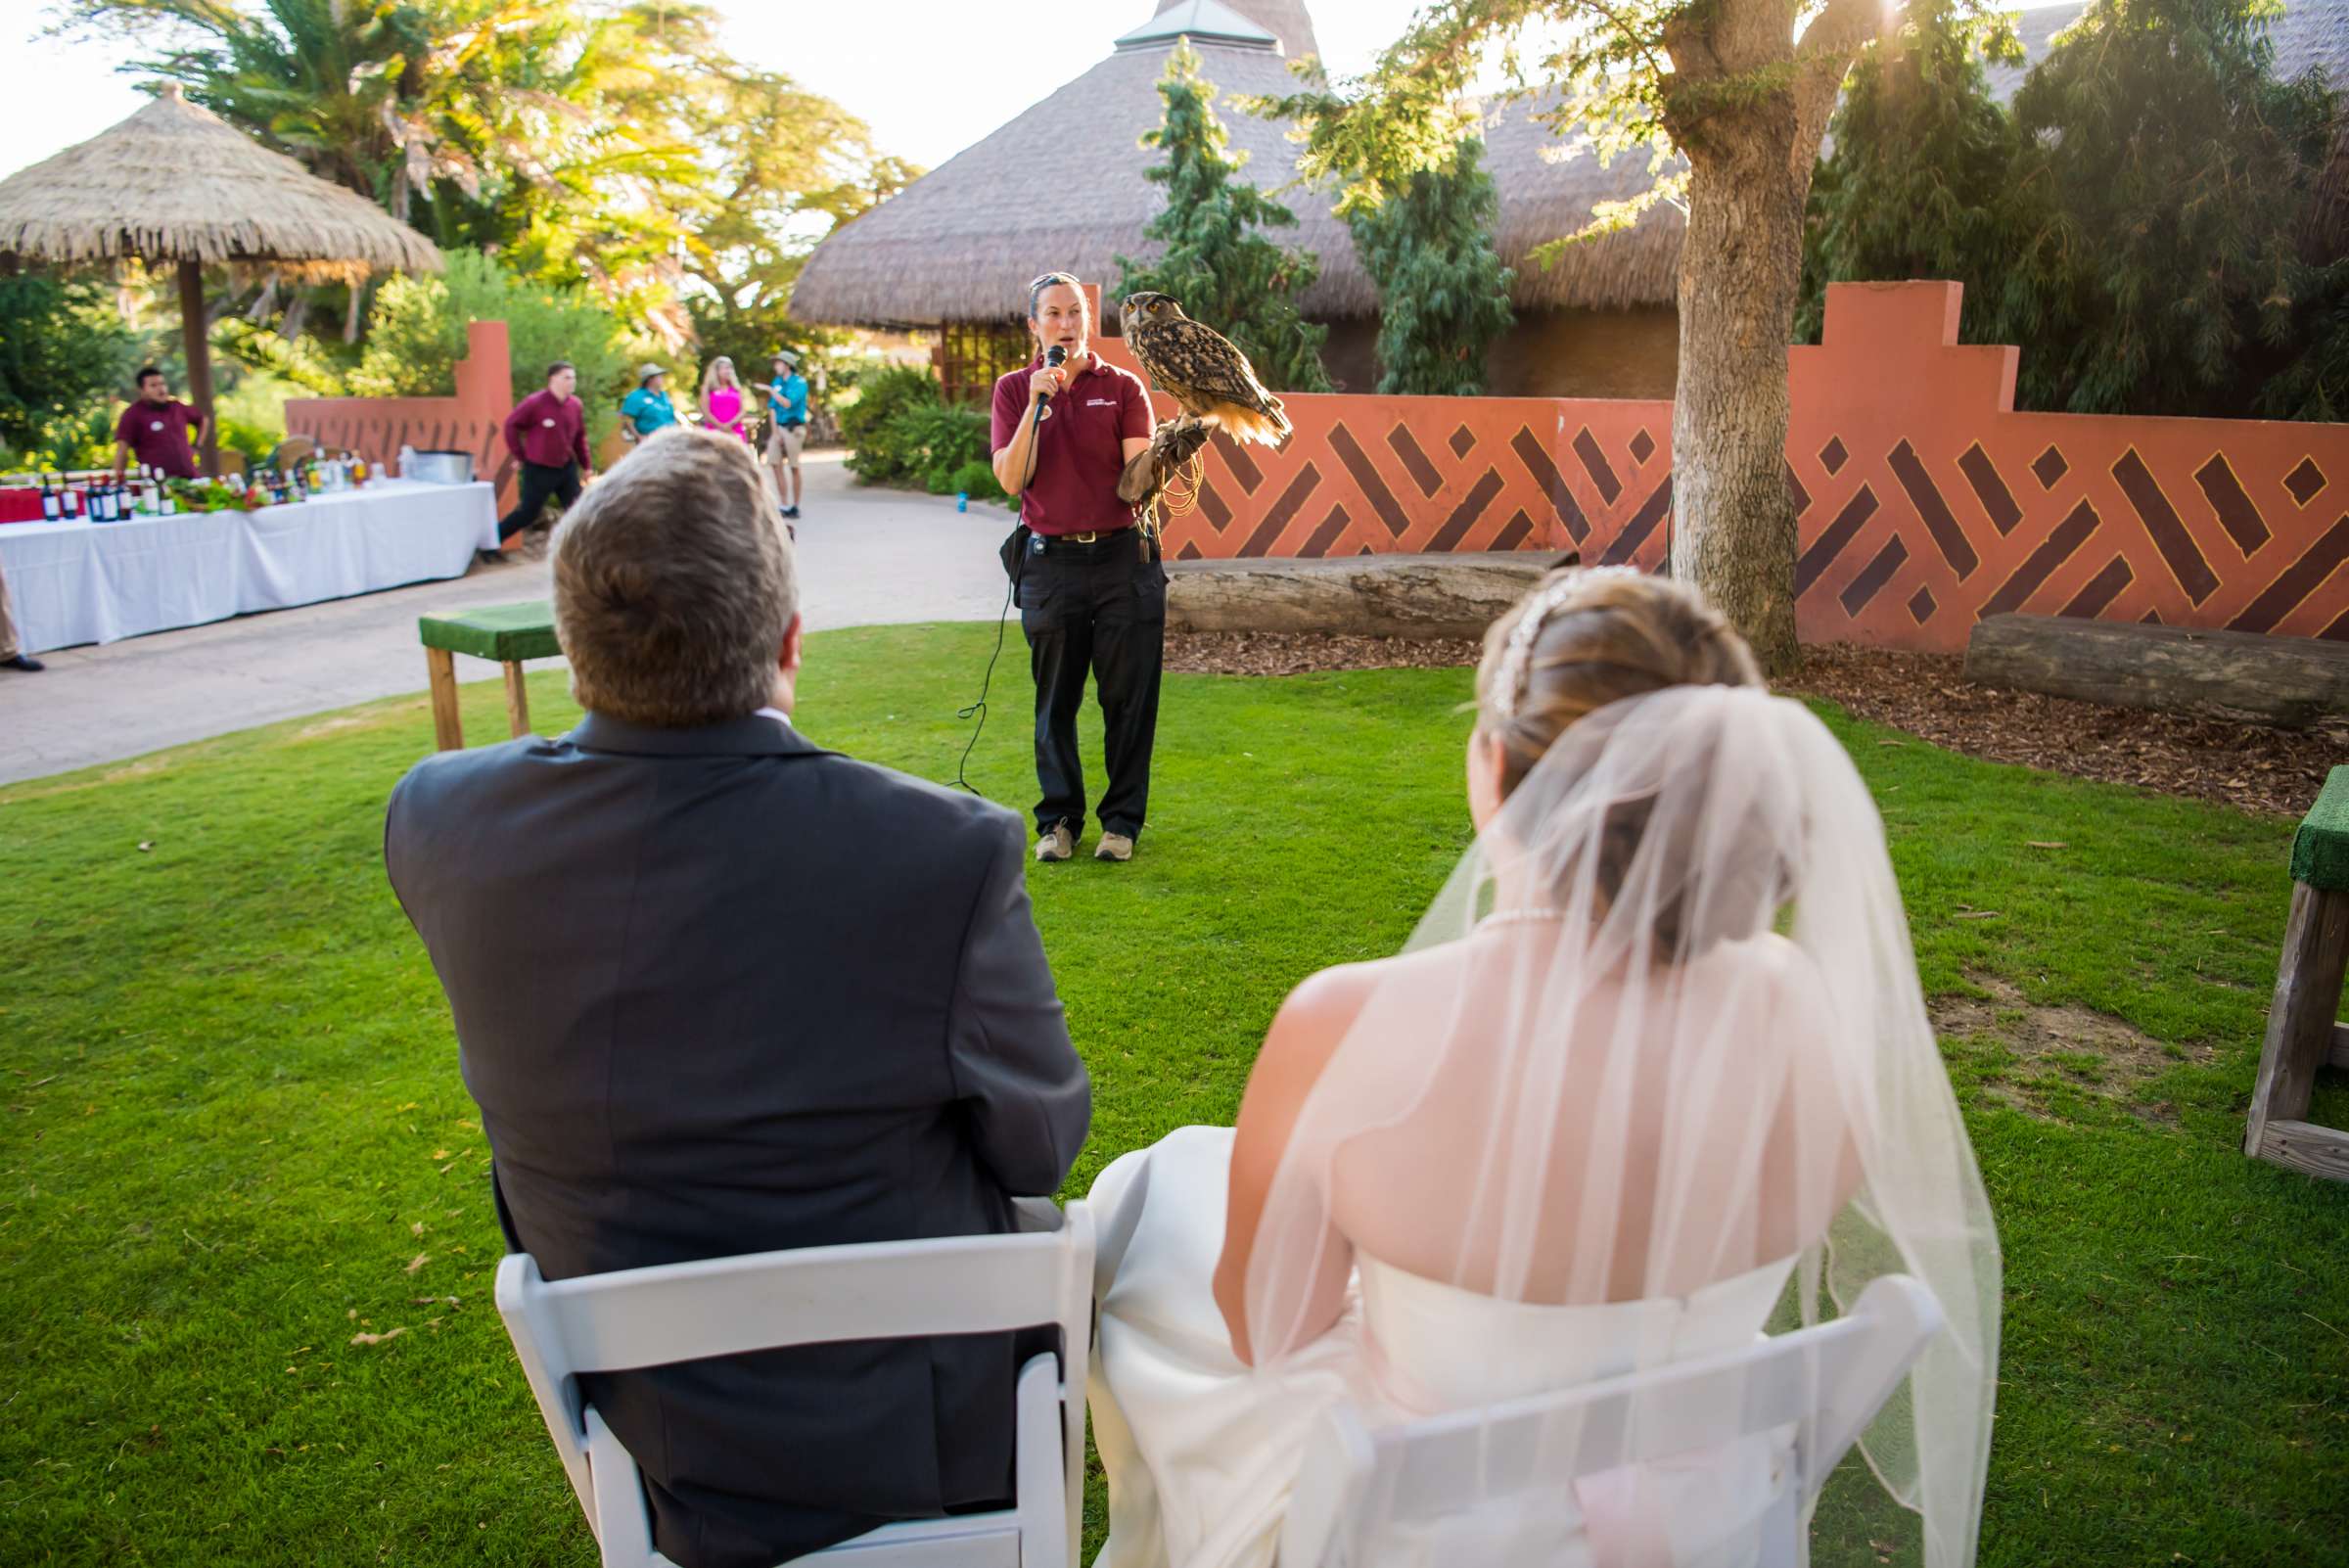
438	468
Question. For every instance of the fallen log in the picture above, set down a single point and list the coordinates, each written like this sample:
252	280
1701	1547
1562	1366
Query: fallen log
2288	683
1422	597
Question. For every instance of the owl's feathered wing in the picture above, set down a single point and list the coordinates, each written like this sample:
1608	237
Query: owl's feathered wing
1210	379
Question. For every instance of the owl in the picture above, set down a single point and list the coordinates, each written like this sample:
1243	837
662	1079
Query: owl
1209	378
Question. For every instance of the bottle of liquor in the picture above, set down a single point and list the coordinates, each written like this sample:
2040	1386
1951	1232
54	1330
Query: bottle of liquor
170	502
100	510
53	505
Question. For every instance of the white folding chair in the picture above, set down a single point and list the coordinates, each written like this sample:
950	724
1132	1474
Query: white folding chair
765	1301
1825	1382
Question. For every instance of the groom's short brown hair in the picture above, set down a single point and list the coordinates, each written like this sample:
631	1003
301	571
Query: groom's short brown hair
674	584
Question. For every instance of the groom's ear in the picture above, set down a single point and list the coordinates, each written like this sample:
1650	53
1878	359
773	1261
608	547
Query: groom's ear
788	661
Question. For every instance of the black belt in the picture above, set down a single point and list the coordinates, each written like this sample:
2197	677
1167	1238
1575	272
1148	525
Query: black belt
1091	539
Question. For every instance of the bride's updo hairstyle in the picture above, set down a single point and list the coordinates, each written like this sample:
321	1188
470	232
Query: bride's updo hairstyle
1602	633
1581	640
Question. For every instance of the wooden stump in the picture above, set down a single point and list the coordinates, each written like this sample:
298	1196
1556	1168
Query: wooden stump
1422	597
2291	682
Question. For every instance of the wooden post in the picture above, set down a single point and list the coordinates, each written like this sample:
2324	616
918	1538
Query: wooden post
448	725
2300	1019
199	347
518	700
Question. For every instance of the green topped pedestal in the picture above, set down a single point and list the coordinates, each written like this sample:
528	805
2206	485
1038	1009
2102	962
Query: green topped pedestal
504	633
2302	1031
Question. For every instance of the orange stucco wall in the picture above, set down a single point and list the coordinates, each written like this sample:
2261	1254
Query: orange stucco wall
473	421
1925	501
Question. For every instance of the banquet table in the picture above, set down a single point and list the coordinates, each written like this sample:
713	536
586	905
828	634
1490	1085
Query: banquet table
77	582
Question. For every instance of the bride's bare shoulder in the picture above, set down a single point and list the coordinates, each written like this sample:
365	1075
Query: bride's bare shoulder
1325	1004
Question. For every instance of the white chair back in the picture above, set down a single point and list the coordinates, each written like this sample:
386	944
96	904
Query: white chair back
767	1300
1474	1469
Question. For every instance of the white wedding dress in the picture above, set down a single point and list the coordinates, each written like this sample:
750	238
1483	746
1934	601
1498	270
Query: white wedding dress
1657	1050
1202	1450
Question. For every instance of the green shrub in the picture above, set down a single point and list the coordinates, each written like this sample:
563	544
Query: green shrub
977	480
65	355
937	440
256	441
879	453
416	335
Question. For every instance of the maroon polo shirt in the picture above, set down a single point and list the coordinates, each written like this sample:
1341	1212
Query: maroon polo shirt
1079	450
549	431
157	435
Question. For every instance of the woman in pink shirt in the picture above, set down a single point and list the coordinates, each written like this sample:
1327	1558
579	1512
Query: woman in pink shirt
724	406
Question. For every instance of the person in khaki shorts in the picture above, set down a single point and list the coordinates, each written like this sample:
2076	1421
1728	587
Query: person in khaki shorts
12	652
787	402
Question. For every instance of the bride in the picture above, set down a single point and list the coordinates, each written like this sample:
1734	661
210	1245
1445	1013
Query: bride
1653	1076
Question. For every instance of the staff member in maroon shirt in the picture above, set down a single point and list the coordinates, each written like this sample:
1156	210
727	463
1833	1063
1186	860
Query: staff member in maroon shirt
1091	595
157	430
547	433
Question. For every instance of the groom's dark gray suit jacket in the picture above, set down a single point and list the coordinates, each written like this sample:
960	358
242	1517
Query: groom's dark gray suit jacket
720	991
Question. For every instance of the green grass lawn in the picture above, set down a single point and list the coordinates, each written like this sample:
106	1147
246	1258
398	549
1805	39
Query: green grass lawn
233	1137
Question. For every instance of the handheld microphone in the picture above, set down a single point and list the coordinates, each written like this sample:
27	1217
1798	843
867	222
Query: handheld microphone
1054	357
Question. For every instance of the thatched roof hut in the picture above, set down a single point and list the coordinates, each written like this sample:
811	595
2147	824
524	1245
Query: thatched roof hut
961	243
176	185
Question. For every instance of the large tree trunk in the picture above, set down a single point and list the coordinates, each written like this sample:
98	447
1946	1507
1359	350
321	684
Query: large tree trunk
1748	110
1734	528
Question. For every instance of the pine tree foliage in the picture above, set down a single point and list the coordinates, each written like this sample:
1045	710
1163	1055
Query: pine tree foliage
1217	262
1443	292
2177	167
1918	180
2146	224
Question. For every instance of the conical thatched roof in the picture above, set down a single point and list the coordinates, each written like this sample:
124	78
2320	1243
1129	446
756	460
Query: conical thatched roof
176	183
1062	185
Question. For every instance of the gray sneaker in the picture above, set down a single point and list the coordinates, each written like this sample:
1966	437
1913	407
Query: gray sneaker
1058	845
1114	847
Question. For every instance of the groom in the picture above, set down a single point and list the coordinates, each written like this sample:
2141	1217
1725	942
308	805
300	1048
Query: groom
721	990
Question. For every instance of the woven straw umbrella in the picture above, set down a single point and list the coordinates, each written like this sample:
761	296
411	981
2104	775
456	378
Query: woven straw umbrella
175	184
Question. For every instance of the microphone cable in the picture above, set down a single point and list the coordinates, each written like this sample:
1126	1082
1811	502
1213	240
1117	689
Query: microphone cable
1002	616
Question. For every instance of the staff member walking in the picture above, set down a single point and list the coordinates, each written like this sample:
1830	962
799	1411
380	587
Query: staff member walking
547	433
1091	595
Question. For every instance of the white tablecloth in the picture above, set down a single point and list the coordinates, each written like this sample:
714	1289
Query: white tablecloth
77	582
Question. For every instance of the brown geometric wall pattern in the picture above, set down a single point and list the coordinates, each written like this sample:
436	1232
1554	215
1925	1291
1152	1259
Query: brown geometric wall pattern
1925	502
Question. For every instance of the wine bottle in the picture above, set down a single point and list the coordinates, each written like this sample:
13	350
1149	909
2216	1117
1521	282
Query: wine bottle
53	505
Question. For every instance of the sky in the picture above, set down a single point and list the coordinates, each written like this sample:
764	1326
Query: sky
929	76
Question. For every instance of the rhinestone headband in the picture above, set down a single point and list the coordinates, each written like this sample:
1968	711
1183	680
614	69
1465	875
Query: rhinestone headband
1515	669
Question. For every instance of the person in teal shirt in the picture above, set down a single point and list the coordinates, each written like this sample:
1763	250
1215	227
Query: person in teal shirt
648	408
787	403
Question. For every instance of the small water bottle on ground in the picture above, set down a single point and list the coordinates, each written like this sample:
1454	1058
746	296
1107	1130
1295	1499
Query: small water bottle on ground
963	500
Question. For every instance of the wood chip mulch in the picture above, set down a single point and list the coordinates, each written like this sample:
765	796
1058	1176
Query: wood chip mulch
2248	766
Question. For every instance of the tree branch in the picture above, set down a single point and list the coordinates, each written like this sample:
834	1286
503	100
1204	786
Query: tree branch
1823	57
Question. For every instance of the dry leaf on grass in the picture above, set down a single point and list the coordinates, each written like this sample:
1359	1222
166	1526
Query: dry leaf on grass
417	1261
377	1339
